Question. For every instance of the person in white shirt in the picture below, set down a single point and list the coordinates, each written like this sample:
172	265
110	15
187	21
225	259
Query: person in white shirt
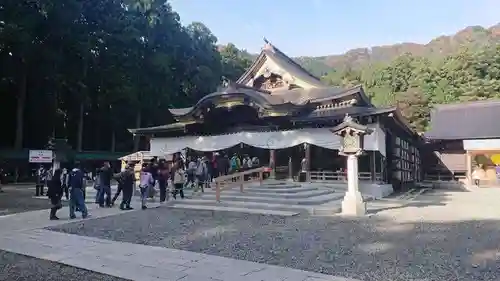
146	182
191	172
178	178
201	173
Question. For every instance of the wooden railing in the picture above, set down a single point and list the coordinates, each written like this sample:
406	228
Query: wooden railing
238	179
342	176
443	177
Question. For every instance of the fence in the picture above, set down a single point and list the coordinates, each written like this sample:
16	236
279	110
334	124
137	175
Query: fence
237	179
325	176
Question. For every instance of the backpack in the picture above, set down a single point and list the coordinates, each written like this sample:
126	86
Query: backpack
234	163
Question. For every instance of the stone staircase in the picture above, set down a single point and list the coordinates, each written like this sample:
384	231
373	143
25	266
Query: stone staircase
271	198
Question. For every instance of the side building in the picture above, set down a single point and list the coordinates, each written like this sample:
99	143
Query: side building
284	110
466	138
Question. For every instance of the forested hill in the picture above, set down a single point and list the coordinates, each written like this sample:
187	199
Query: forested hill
473	37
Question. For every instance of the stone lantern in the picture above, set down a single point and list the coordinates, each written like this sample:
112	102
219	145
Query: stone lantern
352	135
61	150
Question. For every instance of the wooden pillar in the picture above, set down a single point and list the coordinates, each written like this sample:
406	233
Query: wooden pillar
469	168
373	166
308	161
272	163
383	169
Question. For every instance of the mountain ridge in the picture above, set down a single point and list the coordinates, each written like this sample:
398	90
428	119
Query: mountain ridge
441	46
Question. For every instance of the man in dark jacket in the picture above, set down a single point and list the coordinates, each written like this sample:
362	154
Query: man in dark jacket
105	175
76	189
126	180
55	192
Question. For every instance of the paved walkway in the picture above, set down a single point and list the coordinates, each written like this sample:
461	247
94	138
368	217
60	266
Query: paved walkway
22	234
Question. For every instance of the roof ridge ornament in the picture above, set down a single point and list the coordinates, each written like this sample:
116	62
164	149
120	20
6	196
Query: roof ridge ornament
268	45
347	118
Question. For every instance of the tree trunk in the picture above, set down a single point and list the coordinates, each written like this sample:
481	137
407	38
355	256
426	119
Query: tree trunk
113	141
138	121
21	102
79	141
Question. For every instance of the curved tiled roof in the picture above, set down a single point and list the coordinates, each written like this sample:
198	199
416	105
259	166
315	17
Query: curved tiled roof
284	62
297	96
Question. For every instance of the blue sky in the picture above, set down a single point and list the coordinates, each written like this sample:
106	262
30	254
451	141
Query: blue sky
324	27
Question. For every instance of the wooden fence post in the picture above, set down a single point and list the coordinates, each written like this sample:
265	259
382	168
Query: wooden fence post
217	191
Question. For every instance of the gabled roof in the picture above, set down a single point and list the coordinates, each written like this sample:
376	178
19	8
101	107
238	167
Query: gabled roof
470	120
284	62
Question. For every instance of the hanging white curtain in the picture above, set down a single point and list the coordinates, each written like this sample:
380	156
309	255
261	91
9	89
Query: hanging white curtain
268	140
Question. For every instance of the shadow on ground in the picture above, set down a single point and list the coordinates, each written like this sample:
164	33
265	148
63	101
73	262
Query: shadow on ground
20	199
420	198
369	248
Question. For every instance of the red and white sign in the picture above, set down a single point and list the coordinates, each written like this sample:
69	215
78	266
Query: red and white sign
40	156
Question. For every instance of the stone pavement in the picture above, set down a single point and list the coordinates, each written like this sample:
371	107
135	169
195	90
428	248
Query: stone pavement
22	234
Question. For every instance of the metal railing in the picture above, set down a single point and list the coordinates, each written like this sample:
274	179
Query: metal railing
325	176
237	179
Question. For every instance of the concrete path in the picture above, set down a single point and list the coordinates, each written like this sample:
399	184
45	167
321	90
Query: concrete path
22	234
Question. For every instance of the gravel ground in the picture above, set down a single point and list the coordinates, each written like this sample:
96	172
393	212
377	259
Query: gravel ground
367	249
18	199
23	268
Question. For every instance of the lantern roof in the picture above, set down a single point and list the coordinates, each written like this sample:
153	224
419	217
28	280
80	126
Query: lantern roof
349	124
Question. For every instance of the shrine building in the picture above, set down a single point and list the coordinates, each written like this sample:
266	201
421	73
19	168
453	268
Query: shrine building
471	147
283	113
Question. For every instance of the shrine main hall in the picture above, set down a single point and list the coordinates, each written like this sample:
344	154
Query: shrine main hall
285	114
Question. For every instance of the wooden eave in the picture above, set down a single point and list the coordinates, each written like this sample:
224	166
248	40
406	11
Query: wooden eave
356	92
178	126
250	72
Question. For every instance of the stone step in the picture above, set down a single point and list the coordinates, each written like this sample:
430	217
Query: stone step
296	195
280	190
315	200
236	209
244	204
281	185
329	208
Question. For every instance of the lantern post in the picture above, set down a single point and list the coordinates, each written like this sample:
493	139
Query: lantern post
352	134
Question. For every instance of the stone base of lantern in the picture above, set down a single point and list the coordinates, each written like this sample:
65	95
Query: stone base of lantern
353	204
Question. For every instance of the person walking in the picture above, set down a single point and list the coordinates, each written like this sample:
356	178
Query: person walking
55	193
201	174
146	181
40	180
76	185
64	182
119	189
178	178
105	175
191	172
126	179
163	176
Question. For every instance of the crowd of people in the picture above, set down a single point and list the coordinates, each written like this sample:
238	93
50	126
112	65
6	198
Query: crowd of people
170	178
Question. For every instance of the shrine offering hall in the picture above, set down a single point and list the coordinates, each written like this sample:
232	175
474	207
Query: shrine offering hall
281	113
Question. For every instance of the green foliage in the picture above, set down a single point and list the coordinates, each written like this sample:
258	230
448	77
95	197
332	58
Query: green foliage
416	83
88	70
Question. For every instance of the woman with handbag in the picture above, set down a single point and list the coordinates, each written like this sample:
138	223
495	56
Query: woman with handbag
55	193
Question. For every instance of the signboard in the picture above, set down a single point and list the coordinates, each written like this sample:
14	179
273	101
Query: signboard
40	156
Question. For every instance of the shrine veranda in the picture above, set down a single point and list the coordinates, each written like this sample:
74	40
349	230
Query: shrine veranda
281	112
